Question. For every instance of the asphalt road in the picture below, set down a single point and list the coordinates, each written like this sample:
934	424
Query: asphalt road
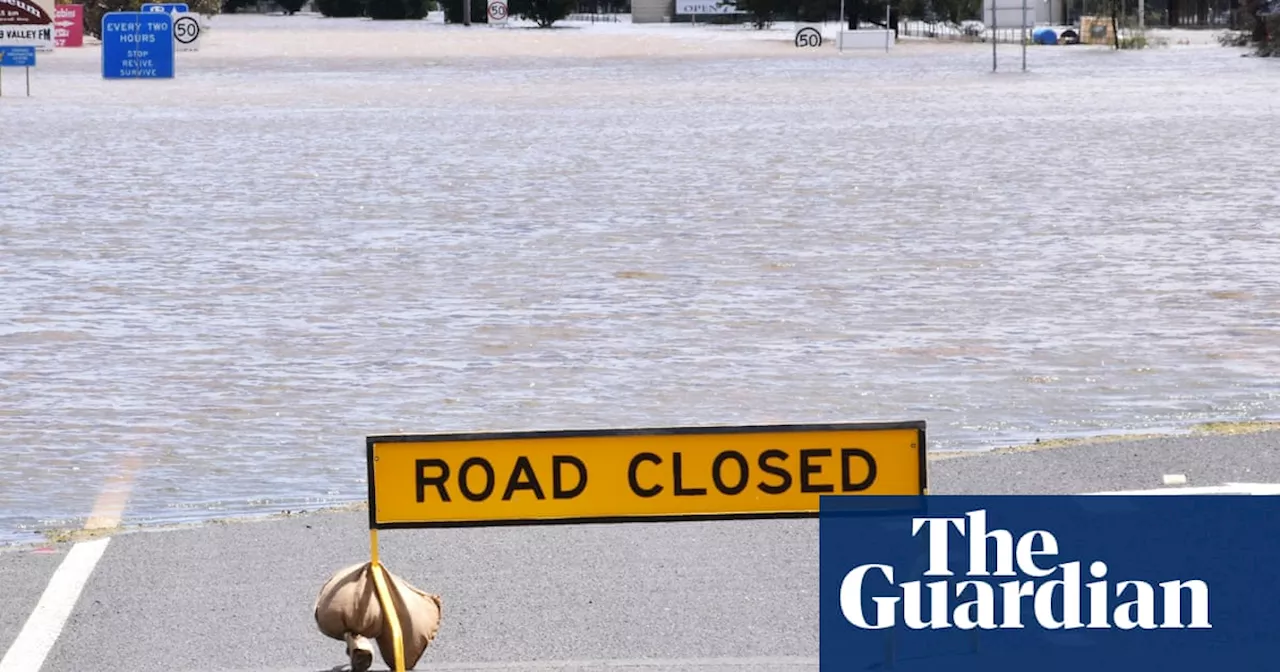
737	595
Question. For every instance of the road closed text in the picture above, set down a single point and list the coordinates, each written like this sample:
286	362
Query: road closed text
648	475
434	480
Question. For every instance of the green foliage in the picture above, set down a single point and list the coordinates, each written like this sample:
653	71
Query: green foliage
398	10
206	7
291	7
1270	43
453	11
1262	31
1137	41
543	12
917	10
763	12
94	9
341	9
814	11
956	11
1235	38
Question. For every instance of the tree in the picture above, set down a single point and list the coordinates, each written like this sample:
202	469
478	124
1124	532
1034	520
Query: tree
291	7
453	11
956	12
1115	20
341	9
543	12
94	9
764	12
398	10
1259	28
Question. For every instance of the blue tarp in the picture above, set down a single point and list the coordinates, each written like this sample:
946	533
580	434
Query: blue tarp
1044	36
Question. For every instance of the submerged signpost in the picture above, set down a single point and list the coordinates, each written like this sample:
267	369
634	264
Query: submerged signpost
17	57
186	27
137	45
997	13
68	26
629	475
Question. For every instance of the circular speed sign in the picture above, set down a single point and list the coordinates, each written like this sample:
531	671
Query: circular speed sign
808	37
186	29
497	11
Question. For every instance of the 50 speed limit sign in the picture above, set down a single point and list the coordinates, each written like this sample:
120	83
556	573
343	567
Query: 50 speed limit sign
186	32
497	11
808	37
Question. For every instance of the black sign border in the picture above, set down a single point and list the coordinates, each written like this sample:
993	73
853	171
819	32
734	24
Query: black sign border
370	441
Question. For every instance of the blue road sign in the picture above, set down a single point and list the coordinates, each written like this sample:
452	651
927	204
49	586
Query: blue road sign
17	57
137	45
166	7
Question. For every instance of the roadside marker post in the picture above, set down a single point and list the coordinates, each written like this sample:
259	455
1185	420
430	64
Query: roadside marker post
17	57
629	475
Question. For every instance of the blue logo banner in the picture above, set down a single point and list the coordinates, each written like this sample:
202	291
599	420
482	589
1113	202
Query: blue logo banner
1175	583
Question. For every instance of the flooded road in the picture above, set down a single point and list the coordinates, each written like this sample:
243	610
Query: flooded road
239	274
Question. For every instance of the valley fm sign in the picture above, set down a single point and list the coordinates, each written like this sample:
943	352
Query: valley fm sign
620	475
27	23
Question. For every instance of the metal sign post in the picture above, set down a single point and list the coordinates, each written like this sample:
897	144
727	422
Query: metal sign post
888	28
1024	35
17	57
840	30
994	37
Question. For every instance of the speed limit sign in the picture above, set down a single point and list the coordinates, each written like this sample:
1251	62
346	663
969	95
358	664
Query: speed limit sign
808	37
186	32
497	11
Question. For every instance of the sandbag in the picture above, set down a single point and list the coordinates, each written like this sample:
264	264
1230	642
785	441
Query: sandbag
348	610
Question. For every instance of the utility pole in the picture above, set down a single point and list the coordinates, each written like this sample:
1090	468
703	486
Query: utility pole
466	12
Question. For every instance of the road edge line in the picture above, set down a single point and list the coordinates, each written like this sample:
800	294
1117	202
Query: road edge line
44	625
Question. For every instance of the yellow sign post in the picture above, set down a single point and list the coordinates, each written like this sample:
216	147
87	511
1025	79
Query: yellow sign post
633	475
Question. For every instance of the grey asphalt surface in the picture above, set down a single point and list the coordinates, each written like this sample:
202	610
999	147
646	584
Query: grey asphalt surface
22	580
735	595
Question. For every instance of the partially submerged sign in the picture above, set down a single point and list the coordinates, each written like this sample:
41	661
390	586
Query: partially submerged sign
166	7
17	57
452	480
27	23
68	26
186	32
695	7
137	45
498	11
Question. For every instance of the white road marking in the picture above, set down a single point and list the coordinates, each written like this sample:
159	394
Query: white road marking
41	631
42	628
1224	489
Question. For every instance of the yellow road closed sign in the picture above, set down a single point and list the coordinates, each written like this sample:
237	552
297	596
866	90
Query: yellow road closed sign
454	480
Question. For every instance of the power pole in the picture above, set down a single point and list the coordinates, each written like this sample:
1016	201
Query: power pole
466	12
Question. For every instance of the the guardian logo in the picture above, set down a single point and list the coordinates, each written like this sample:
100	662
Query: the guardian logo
1032	590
